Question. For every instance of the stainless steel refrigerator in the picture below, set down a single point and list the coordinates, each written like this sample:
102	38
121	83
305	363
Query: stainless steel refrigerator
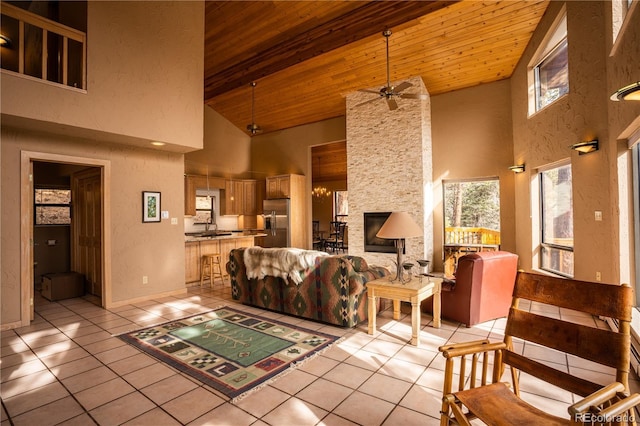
277	222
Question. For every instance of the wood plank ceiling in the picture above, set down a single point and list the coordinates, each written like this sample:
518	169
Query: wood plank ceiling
306	56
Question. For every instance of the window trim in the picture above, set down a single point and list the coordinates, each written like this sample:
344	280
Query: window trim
541	244
67	205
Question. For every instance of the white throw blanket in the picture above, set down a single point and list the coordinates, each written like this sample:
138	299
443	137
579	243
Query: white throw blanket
279	262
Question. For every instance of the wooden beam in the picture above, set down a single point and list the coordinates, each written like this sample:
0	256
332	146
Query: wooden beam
367	20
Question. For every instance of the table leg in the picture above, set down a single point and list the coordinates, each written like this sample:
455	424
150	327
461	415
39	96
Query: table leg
396	309
372	311
436	304
415	322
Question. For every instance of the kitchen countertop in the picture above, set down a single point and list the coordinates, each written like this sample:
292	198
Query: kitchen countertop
228	235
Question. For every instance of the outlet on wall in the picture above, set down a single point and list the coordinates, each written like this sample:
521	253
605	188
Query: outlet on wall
598	276
145	279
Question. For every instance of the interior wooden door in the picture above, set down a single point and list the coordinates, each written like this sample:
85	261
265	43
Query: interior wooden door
87	227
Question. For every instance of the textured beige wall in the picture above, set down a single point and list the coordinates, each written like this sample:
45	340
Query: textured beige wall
152	249
226	152
389	168
585	113
472	139
144	70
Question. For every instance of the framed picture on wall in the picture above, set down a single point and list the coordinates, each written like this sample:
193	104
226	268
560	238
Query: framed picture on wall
150	206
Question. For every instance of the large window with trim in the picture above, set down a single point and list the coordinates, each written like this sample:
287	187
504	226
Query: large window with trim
52	206
550	67
556	214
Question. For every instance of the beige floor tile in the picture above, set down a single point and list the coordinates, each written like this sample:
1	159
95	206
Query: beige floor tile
64	357
103	393
364	409
26	383
87	339
367	360
325	394
104	345
333	420
403	370
20	370
319	365
192	405
155	417
382	347
385	387
117	354
225	415
50	414
17	359
88	379
55	348
148	375
168	389
81	420
122	409
423	400
293	381
75	367
133	363
404	416
295	412
348	375
78	328
33	399
263	401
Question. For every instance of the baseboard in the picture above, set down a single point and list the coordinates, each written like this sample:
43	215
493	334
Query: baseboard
145	298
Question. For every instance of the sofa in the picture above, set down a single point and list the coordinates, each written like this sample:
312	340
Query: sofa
332	289
482	289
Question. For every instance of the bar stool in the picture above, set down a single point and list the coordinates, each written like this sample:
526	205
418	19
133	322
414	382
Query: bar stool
210	268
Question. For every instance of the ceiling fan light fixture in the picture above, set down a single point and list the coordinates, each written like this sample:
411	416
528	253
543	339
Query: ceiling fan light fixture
627	93
253	128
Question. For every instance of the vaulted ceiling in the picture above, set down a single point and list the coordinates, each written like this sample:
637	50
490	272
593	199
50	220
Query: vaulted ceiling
306	56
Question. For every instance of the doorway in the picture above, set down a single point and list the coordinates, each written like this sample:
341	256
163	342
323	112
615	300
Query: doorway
88	249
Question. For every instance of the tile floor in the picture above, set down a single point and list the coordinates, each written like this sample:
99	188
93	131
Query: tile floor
68	368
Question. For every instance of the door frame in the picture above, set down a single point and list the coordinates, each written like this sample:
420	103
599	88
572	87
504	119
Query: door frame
26	223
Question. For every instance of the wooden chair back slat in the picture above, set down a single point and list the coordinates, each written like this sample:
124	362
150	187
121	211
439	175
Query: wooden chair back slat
612	301
602	346
551	375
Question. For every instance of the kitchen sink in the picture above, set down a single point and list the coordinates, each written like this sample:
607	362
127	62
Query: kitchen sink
207	234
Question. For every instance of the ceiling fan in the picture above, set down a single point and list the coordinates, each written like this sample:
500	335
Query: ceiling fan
253	128
390	92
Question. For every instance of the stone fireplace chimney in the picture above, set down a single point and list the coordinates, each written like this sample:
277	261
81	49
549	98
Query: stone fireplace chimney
389	167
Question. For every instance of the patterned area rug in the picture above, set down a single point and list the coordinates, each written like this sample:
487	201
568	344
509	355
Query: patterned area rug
232	351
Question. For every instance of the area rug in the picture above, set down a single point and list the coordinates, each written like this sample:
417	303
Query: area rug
232	351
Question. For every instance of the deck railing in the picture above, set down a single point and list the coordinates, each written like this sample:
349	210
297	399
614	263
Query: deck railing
467	235
40	48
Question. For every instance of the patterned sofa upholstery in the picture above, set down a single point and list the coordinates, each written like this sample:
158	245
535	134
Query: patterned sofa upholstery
332	291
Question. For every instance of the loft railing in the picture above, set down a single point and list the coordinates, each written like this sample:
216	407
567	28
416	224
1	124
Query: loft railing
466	235
40	48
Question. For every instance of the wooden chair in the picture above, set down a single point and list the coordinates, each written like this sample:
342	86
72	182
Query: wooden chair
318	241
335	241
495	403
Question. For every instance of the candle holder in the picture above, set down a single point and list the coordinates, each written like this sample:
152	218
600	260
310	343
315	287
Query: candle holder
406	277
424	268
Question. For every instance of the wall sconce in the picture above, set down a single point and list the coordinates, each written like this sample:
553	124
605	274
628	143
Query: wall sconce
5	41
518	168
585	147
628	93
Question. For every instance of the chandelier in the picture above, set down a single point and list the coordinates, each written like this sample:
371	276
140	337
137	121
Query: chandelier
320	192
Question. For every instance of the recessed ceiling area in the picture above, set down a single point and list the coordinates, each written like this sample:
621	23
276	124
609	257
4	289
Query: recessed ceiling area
306	56
329	162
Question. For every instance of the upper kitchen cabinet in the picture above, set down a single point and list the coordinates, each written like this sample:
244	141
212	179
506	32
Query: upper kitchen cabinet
280	186
195	182
239	197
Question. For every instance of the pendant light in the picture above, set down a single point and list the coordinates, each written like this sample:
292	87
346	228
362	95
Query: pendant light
253	128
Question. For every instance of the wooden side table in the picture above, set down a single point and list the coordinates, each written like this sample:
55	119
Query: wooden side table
414	291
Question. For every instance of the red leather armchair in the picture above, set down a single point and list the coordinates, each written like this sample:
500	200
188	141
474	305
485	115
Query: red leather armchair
483	288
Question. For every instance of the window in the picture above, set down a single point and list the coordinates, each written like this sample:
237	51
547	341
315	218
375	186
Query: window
619	12
340	205
472	212
52	206
205	205
556	204
550	70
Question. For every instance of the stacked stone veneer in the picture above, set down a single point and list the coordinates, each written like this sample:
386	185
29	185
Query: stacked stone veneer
389	167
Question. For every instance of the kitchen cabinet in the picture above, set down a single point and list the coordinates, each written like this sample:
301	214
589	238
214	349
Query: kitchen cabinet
195	182
194	250
279	186
240	197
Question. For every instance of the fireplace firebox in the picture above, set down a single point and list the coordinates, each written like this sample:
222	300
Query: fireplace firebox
373	221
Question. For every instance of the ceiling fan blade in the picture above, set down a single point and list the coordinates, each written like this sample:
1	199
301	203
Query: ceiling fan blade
377	92
393	105
402	86
368	102
421	96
